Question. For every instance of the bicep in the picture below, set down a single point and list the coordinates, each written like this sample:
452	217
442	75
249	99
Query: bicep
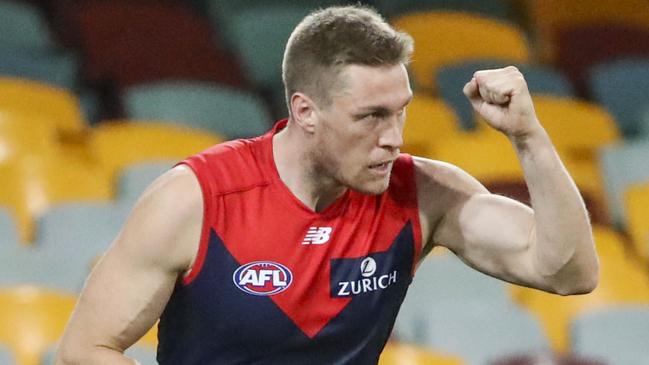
493	234
131	284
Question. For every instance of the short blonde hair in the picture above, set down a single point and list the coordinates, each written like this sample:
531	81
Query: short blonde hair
331	38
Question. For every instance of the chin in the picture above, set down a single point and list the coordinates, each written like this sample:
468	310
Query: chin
372	188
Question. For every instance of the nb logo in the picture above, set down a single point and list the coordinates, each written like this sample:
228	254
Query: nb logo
317	236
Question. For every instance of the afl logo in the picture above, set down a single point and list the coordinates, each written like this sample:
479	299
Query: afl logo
262	278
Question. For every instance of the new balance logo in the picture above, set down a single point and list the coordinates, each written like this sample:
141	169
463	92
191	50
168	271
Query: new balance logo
317	236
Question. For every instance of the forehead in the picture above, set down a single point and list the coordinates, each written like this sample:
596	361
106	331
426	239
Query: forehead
367	86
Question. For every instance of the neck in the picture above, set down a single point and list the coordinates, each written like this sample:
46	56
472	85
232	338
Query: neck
300	174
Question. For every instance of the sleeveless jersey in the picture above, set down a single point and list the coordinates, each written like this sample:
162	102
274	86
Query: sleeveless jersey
277	283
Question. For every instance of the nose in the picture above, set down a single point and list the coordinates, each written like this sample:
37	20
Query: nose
392	135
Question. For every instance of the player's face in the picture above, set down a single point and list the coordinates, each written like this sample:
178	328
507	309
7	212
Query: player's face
361	131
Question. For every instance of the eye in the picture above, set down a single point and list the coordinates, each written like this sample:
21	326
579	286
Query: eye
373	116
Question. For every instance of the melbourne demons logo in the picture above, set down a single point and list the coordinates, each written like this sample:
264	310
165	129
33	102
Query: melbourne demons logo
262	278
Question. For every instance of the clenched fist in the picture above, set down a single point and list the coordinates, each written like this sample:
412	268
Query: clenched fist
503	100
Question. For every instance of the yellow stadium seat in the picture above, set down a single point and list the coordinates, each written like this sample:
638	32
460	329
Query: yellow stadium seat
574	125
117	144
406	354
57	106
32	319
428	120
578	129
486	154
443	38
636	205
549	16
23	133
33	183
622	280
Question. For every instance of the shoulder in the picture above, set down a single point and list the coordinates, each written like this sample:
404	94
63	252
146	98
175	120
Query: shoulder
439	177
166	221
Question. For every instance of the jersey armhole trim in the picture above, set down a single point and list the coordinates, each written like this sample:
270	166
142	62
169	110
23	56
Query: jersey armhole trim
193	272
416	224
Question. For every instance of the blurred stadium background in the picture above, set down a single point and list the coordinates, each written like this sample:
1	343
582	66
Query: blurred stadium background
97	98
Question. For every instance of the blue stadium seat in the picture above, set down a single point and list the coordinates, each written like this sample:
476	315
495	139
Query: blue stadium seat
23	28
258	35
451	80
447	282
622	87
6	358
70	237
617	334
8	229
134	179
450	306
225	111
57	69
622	165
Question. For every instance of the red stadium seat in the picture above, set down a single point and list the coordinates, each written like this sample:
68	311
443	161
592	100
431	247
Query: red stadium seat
580	48
136	42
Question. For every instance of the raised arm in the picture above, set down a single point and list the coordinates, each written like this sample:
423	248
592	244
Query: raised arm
549	247
130	286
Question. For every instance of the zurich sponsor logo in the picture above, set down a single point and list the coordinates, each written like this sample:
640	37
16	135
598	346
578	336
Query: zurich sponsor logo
262	278
370	281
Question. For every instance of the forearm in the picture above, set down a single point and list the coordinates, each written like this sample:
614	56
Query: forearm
562	235
96	355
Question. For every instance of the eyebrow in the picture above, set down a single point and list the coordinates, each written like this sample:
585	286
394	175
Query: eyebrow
379	109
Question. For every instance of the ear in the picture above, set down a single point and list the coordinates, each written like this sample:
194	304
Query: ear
303	111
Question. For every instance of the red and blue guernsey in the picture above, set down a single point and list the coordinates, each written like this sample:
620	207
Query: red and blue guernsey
275	282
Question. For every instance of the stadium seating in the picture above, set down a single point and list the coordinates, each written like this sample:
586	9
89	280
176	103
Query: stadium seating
548	17
25	133
228	112
71	237
32	319
450	305
428	120
578	130
258	34
134	179
452	78
616	334
34	183
636	210
485	154
396	353
623	164
60	69
8	230
547	359
128	43
494	9
620	86
23	28
621	281
59	106
581	48
444	38
6	357
117	144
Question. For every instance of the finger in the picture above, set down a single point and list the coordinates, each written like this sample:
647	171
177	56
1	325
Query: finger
471	89
494	89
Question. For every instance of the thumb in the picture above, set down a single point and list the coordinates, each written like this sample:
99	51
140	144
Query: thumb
472	91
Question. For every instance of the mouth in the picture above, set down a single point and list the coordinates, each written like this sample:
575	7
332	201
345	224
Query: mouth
382	167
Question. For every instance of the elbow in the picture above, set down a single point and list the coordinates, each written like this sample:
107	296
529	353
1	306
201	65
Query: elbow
584	283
